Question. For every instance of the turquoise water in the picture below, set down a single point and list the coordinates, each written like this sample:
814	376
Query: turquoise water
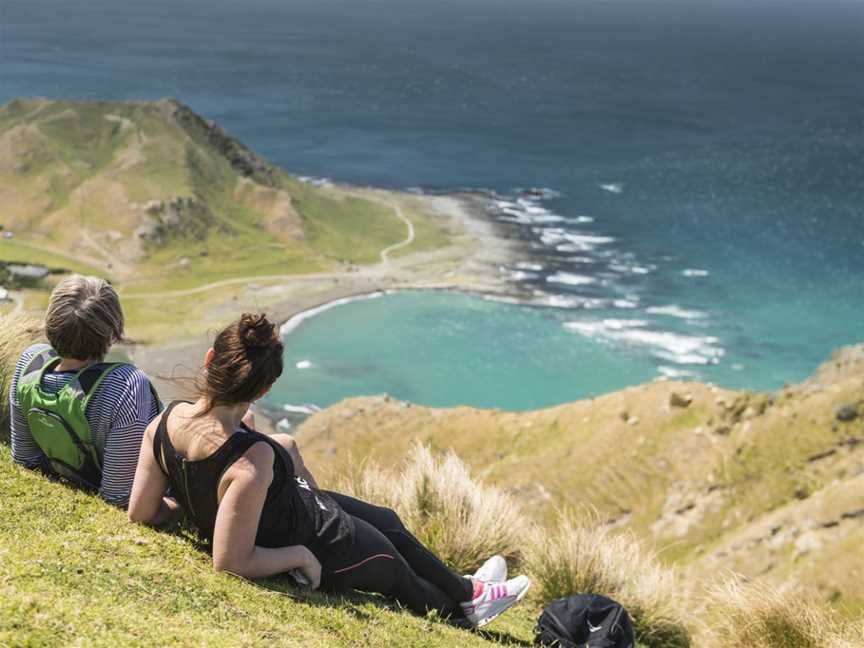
446	349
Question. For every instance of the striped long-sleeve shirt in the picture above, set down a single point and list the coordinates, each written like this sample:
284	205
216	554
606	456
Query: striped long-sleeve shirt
118	413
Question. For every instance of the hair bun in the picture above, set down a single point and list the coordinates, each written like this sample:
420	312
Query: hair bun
257	331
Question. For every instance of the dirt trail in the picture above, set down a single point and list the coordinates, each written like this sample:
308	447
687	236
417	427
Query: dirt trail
385	253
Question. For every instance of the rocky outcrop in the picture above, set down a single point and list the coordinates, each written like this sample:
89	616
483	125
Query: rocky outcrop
243	160
180	216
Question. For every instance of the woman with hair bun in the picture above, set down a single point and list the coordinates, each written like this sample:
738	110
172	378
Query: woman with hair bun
252	497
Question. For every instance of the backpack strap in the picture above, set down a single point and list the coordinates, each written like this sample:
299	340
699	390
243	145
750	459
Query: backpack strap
92	376
38	363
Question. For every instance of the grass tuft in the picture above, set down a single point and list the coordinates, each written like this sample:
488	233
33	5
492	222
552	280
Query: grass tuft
580	555
17	332
460	519
757	615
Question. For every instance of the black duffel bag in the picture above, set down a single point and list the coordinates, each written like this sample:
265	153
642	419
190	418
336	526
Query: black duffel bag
585	621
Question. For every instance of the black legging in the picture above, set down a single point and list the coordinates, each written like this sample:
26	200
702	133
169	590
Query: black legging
387	559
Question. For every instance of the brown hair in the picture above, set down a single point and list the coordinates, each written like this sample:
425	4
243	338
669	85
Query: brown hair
84	318
247	360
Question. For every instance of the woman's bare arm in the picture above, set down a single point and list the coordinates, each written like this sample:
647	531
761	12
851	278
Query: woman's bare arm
244	489
147	503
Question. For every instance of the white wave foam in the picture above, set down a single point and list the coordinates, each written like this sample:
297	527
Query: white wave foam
526	213
613	187
305	408
589	239
622	324
520	275
694	272
317	182
571	302
626	303
632	268
548	217
673	373
502	299
588	329
672	347
581	220
304	364
605	327
574	242
531	207
526	265
678	348
674	310
299	318
570	279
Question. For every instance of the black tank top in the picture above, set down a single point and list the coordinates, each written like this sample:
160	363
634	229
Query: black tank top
294	513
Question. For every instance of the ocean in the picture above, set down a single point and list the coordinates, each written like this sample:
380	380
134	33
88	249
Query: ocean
702	167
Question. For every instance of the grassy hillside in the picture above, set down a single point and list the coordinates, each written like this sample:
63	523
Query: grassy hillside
73	571
768	485
156	198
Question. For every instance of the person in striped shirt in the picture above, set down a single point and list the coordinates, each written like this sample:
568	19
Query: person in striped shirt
83	320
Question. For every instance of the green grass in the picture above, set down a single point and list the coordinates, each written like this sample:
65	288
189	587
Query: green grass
82	137
74	571
428	235
345	228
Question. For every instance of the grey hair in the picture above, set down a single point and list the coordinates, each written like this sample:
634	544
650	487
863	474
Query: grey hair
84	318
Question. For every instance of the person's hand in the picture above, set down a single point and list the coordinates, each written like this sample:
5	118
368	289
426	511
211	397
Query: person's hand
311	568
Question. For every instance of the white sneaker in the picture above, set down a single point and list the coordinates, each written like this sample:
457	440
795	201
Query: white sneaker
493	570
495	599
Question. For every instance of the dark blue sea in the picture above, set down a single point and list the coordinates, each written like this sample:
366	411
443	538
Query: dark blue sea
703	161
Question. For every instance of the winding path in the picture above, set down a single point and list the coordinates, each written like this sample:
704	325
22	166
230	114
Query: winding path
385	253
225	282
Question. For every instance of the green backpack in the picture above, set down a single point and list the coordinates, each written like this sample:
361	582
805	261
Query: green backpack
58	422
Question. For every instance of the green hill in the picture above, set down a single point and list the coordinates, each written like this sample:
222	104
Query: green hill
74	571
156	198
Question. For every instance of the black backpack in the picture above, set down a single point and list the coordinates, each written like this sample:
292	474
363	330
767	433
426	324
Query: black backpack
585	621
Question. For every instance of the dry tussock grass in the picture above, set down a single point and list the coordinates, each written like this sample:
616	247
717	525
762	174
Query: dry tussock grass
462	520
16	333
757	615
582	555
